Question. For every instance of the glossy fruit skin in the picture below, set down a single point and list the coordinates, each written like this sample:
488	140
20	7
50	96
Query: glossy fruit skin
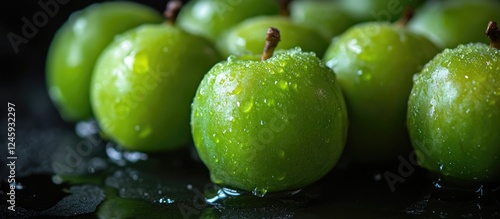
76	47
378	10
144	83
246	38
451	23
269	126
374	63
454	114
210	18
326	16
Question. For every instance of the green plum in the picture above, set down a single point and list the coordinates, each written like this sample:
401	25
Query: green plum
144	83
450	23
76	47
269	125
326	16
209	18
378	10
374	63
245	38
454	113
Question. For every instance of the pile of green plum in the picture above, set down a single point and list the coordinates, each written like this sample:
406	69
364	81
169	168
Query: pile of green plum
271	92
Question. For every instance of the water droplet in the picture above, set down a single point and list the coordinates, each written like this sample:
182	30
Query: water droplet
141	63
366	77
166	201
165	49
247	107
237	90
259	192
281	177
282	154
145	132
283	85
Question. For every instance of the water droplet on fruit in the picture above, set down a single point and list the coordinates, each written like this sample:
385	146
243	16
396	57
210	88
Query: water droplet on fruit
281	176
466	77
283	85
144	132
141	63
259	192
237	90
166	201
247	107
261	122
282	154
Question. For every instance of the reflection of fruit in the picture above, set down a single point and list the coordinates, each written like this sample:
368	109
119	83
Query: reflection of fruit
144	83
454	113
326	16
246	37
77	46
209	18
450	23
272	125
374	64
378	10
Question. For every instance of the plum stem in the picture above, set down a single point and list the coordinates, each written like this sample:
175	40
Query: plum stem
493	33
405	17
172	10
285	8
273	37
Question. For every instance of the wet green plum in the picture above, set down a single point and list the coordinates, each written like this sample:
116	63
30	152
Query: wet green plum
246	37
144	83
328	17
267	126
374	63
76	47
450	23
209	18
454	113
378	10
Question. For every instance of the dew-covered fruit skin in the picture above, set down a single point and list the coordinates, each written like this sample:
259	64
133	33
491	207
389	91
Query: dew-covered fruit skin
374	64
210	18
144	83
246	38
76	47
450	23
269	126
454	114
